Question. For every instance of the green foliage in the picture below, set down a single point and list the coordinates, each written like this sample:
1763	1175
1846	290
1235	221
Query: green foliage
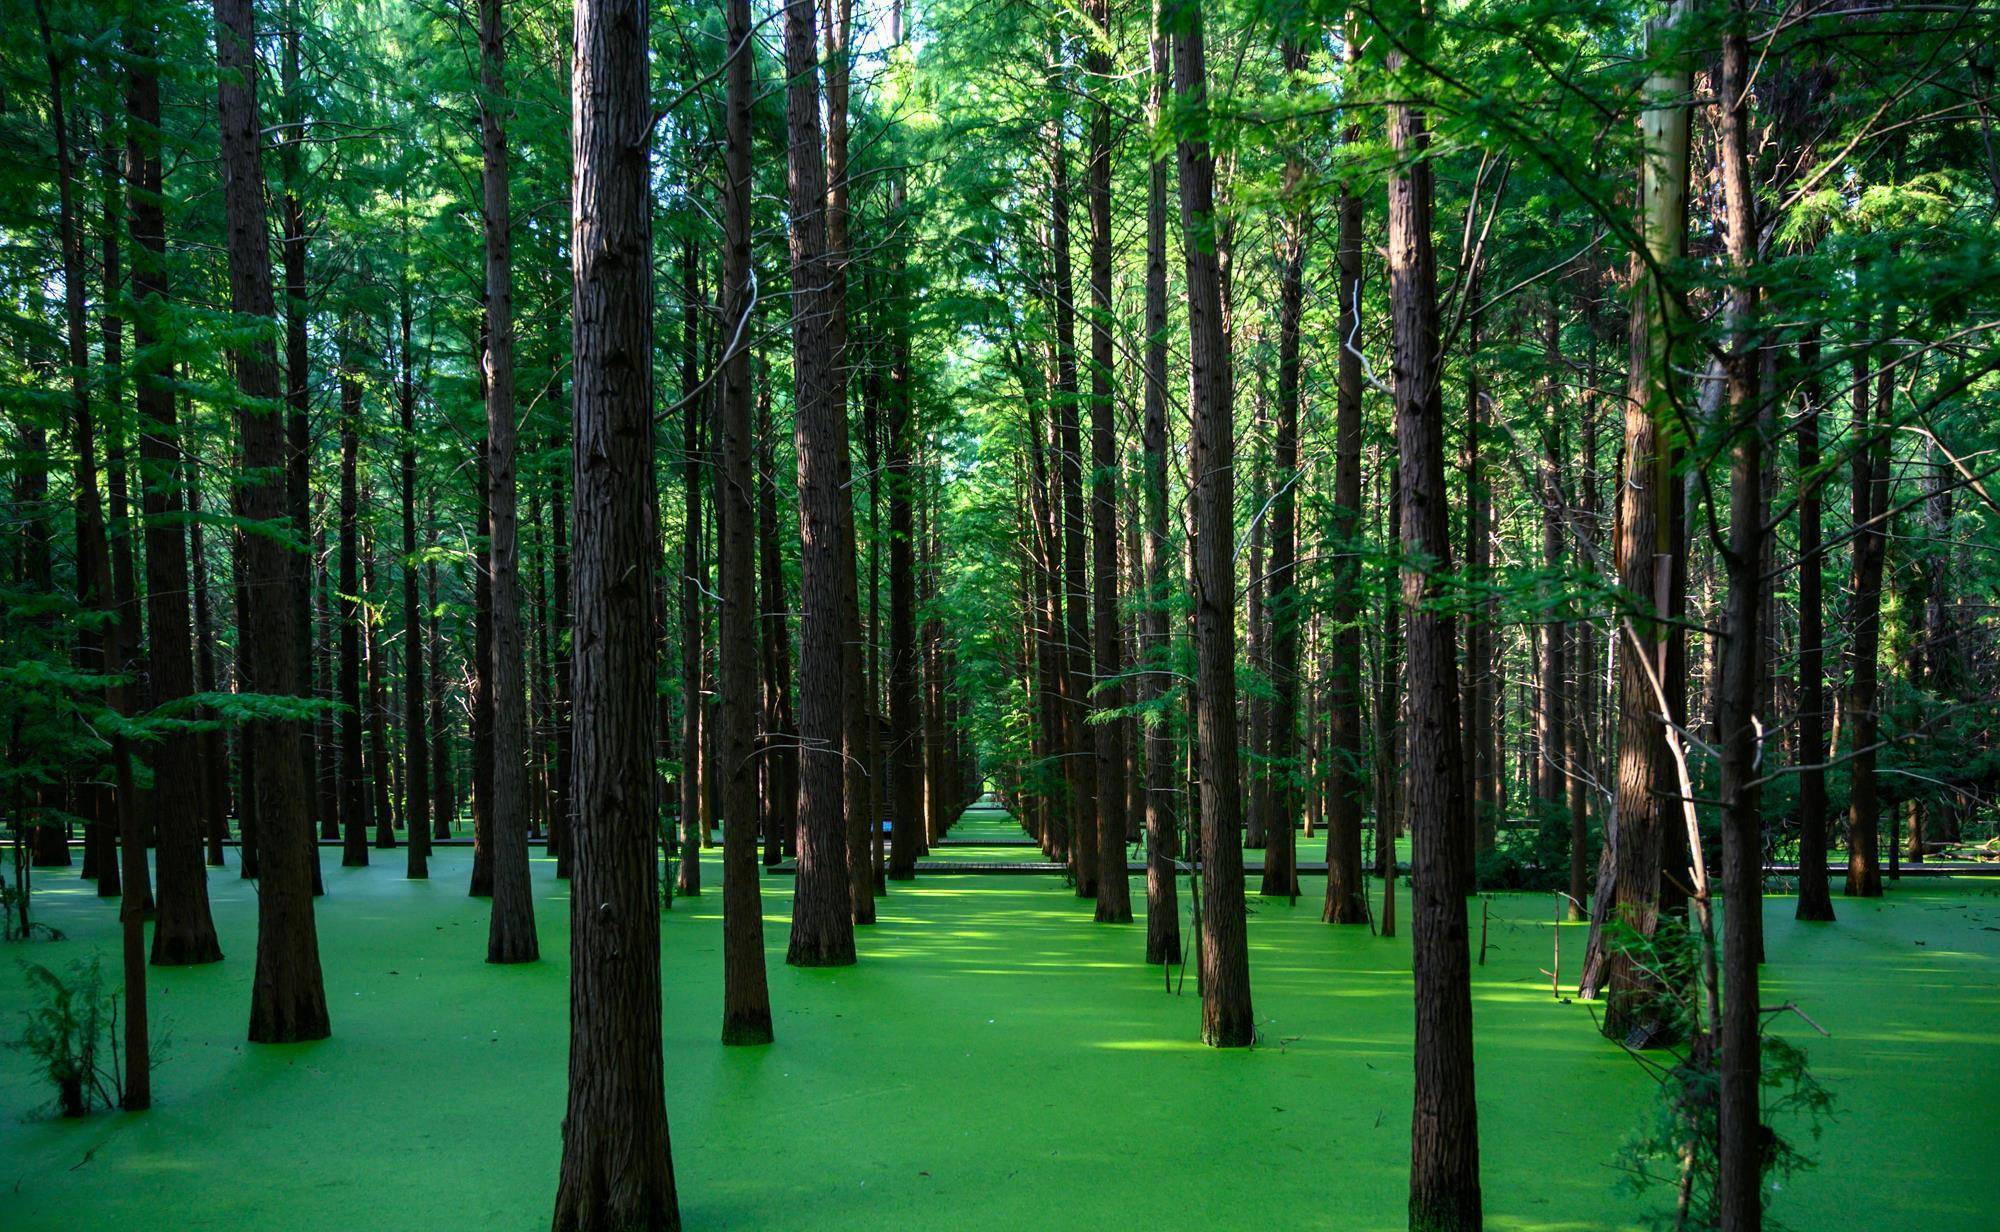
72	1034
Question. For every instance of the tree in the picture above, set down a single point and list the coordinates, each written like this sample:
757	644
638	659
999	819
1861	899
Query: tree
287	997
617	1165
1114	892
510	936
822	926
1226	1018
1444	1127
746	1010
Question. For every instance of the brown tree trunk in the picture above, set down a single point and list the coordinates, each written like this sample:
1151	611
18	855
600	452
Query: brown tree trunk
1444	1133
354	793
1629	871
687	881
287	998
822	923
1074	642
1741	1149
617	1166
1870	508
1163	915
1815	894
746	1000
1346	895
1226	1017
1114	888
781	751
416	740
183	932
510	935
905	735
1282	608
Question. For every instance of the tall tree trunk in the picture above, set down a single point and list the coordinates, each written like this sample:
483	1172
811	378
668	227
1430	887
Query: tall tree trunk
1074	642
1815	894
746	1000
1629	874
1282	607
298	396
781	751
1114	889
617	1166
1346	895
480	672
416	740
183	932
822	924
1163	916
510	936
688	870
1870	509
1226	1017
381	770
1444	1133
287	997
1741	1149
354	794
214	745
559	827
905	737
1551	714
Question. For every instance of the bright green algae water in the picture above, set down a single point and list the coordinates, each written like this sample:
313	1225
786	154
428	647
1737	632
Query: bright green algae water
995	1062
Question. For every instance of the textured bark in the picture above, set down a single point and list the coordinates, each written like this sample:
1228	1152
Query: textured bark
746	1000
1226	1017
1870	508
1444	1128
354	794
481	677
287	997
1163	915
822	926
416	740
905	736
183	931
780	744
1815	894
1629	875
856	723
687	881
510	935
1114	888
1073	642
1346	895
298	397
1281	601
1740	1150
617	1166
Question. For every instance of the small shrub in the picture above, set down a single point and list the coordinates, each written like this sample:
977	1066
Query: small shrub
73	1035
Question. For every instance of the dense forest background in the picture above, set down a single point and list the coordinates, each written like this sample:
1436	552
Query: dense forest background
1558	435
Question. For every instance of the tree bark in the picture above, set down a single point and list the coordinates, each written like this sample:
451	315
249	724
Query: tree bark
416	739
1870	508
1346	894
822	923
1114	889
687	881
1226	1019
1815	894
1444	1133
354	794
1163	916
617	1165
287	998
510	936
746	1000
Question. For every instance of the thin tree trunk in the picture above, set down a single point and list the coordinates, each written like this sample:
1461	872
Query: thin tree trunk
416	740
354	793
1815	894
1114	890
1163	916
688	872
1346	895
1870	512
